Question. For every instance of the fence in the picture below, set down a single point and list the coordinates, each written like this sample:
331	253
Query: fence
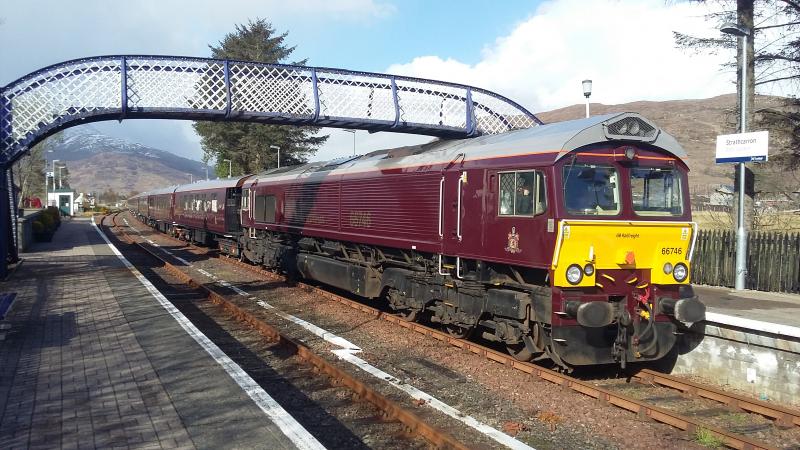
773	260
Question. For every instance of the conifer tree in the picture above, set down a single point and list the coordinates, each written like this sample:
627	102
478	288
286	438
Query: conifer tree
247	145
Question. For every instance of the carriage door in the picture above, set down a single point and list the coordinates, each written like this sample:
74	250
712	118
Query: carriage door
232	198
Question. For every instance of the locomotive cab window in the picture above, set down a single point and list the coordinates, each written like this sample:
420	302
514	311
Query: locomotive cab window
245	199
656	191
522	193
591	189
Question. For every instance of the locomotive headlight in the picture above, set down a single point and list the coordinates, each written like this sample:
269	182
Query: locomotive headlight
667	268
680	272
630	153
588	270
574	274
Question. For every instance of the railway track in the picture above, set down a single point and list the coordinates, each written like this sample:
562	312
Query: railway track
392	411
783	417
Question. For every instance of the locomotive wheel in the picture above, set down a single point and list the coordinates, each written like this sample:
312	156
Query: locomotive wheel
457	331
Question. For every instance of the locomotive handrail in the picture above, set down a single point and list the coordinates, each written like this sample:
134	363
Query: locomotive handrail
173	87
441	201
458	208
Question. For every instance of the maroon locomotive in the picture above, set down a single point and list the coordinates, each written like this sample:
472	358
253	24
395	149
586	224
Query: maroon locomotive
569	241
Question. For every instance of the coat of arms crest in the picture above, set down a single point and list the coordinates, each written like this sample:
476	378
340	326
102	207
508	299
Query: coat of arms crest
513	241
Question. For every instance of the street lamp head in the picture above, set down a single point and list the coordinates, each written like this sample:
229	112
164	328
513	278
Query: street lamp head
587	88
734	29
274	147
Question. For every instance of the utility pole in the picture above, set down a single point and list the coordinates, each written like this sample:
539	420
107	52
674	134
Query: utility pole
741	234
230	167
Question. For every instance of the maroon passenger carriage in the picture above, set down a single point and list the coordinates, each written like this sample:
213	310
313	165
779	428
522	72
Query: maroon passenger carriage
158	204
208	211
516	237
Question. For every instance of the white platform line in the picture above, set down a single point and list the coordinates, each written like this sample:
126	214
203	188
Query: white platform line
279	416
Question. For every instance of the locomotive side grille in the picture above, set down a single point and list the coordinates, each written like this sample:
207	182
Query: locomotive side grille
631	127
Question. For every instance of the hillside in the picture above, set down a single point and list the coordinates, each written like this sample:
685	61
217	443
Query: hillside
98	162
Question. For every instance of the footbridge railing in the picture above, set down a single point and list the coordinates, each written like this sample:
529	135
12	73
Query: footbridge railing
121	87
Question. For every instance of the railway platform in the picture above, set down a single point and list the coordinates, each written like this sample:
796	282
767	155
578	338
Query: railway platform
750	341
773	312
92	359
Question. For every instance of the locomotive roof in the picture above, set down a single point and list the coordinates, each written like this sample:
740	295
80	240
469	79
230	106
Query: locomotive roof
219	183
558	138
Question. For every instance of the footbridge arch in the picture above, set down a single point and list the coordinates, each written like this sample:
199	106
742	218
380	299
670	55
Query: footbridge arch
123	87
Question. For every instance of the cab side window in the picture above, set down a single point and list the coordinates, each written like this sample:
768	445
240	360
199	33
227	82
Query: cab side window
522	193
245	199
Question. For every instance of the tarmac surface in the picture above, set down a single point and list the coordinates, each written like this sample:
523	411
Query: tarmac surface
774	312
93	360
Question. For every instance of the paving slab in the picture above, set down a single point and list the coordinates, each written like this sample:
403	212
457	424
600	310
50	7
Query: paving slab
92	360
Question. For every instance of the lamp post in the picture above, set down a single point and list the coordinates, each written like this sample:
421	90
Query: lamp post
191	178
741	235
275	147
60	177
353	132
230	167
587	92
206	172
54	183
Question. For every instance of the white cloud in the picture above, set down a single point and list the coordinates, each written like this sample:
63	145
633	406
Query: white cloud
626	47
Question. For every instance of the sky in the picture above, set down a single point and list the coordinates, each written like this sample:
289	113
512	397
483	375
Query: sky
534	52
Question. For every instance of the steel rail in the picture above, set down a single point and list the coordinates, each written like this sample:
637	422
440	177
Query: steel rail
644	410
782	416
414	424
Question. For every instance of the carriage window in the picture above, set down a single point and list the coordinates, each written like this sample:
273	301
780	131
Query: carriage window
656	192
245	199
522	193
591	190
214	206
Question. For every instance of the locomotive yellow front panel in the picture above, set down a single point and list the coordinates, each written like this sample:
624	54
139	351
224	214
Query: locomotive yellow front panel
585	246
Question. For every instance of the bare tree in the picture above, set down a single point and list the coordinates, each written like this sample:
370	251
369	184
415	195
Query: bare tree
773	58
29	171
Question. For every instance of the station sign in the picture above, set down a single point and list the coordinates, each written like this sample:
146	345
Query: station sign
742	147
